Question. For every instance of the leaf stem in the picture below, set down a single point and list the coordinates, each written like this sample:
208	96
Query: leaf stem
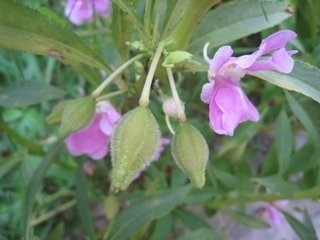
167	118
113	75
175	95
112	94
144	99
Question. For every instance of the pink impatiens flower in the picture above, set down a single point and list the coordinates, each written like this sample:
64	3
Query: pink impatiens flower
81	11
228	104
94	140
272	214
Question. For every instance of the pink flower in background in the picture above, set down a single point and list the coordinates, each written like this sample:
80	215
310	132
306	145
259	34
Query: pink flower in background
272	214
94	140
228	104
81	11
169	107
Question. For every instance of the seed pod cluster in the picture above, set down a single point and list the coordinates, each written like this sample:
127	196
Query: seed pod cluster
133	143
190	151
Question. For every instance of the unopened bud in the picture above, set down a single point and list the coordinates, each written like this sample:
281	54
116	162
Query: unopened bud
176	57
169	107
77	115
133	144
55	116
190	151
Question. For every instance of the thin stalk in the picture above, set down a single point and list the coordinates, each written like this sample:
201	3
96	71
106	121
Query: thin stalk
54	212
305	194
144	99
110	95
157	20
175	95
113	75
169	124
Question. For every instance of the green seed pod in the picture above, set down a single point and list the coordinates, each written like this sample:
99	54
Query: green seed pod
176	57
55	116
77	115
190	152
133	143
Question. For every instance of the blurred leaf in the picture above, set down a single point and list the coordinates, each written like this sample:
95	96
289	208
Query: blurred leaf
111	206
202	195
302	231
276	184
247	220
236	20
145	210
305	120
34	186
28	93
57	232
7	164
283	141
230	181
162	228
83	203
308	222
303	79
203	234
25	29
191	220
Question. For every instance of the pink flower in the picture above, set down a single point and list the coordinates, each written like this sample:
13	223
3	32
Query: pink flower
272	214
228	104
169	107
81	11
94	140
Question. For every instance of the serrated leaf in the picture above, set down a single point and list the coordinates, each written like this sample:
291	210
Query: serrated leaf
303	79
236	20
28	93
145	210
25	29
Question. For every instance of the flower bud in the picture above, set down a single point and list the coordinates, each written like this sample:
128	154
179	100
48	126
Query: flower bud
76	115
191	153
133	144
55	116
176	57
169	107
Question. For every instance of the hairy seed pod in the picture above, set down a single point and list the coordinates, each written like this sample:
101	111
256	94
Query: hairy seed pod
76	115
56	114
190	152
133	143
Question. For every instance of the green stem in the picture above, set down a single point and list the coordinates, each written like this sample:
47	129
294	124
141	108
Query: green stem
110	95
167	118
54	212
305	194
113	75
175	95
144	99
194	13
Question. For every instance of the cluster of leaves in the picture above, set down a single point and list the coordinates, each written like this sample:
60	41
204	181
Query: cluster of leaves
46	187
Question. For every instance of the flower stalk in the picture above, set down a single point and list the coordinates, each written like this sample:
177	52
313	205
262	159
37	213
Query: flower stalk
115	74
181	114
144	99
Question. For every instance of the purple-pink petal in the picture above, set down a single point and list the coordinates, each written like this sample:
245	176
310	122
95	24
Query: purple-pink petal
207	92
220	58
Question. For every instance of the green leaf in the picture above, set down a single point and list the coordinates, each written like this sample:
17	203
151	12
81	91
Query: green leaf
276	184
191	220
23	28
28	93
283	141
202	233
305	120
247	220
303	79
308	222
162	228
145	210
7	164
302	231
83	203
236	20
34	186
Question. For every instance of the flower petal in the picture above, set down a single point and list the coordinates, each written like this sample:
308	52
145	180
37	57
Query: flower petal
221	57
207	92
78	11
102	7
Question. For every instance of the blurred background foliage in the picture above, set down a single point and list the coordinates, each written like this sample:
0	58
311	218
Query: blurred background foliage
72	204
